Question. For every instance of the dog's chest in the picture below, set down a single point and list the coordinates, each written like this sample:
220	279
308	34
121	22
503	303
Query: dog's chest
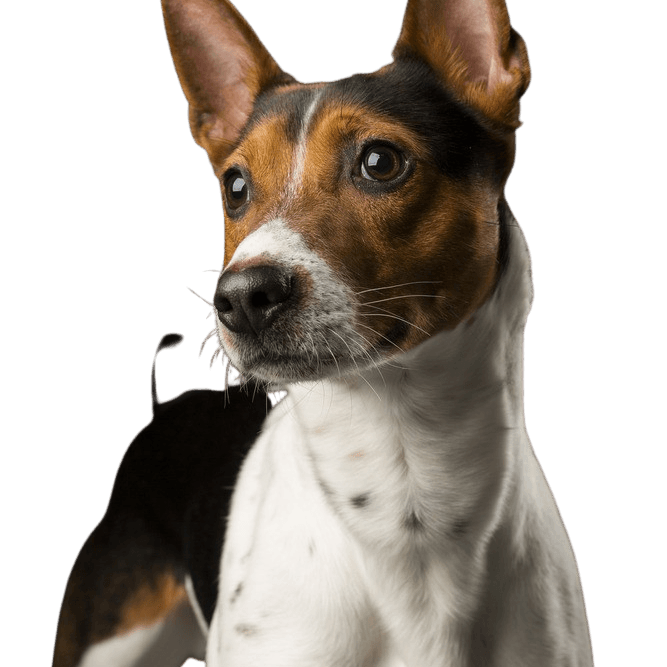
292	580
322	562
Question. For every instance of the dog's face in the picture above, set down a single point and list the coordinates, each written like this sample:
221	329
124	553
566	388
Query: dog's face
361	215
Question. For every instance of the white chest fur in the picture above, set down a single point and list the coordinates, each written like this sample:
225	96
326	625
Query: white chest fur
355	531
360	524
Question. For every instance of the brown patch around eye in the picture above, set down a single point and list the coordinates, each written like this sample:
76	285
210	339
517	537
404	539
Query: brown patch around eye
264	156
420	255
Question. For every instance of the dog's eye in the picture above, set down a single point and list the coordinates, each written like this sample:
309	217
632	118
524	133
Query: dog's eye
236	190
381	163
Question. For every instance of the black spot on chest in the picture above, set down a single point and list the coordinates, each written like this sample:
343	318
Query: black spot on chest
460	528
413	523
360	501
237	592
326	489
246	629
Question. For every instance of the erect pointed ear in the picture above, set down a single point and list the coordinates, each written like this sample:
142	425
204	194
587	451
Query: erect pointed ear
222	67
473	49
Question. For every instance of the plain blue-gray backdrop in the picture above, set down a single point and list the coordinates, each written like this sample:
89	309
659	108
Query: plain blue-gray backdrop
110	212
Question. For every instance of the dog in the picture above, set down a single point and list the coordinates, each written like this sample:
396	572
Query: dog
391	513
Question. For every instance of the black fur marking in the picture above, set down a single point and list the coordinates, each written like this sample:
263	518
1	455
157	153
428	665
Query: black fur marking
326	489
246	629
360	501
460	528
412	522
462	146
237	592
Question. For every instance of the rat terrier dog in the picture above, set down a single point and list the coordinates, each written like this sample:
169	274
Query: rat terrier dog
392	512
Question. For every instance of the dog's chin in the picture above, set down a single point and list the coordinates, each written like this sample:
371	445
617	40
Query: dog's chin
282	369
280	365
284	355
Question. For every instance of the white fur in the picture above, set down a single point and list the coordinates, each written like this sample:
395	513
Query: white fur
299	158
436	438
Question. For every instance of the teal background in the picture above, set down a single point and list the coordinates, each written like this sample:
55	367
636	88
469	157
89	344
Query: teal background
110	212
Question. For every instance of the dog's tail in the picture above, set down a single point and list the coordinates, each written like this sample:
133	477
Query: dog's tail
167	341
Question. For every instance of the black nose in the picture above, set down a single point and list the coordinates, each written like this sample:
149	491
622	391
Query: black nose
249	300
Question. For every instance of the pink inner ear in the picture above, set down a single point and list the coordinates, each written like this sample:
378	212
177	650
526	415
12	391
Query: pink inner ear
471	29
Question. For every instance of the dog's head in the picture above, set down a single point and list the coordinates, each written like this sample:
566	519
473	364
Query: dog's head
361	216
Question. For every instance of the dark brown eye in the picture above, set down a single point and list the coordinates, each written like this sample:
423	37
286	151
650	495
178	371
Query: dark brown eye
381	163
236	190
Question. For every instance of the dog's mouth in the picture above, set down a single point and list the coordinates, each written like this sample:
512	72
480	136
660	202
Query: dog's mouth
285	355
289	320
288	368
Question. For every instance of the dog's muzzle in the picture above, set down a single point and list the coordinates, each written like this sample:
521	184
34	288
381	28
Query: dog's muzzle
249	301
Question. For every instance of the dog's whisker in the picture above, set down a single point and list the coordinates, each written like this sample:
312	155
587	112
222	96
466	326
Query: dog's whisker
407	296
208	337
371	386
381	336
349	349
383	310
314	356
354	361
386	362
333	356
199	296
414	282
216	354
373	362
365	352
394	317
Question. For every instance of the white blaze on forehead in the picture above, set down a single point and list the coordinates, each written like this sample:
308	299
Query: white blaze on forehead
299	156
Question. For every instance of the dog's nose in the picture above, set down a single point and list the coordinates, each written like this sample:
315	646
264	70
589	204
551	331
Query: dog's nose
249	300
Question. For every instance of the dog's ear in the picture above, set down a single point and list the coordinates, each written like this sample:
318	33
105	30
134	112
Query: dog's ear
472	47
222	67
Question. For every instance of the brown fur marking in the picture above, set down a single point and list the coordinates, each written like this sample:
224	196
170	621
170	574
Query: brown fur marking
478	54
431	228
151	603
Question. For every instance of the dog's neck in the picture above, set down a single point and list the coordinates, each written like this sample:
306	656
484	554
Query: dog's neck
424	443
